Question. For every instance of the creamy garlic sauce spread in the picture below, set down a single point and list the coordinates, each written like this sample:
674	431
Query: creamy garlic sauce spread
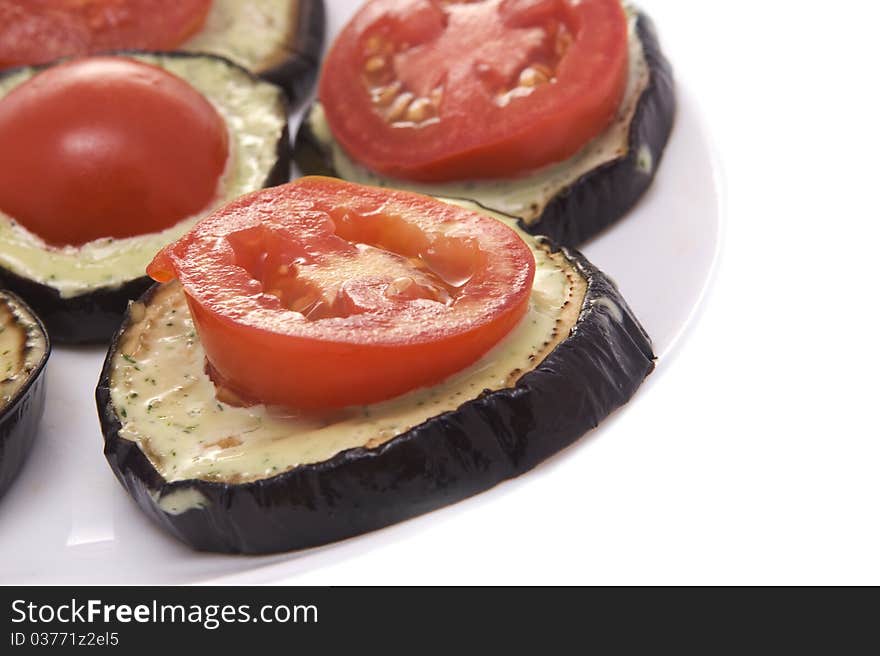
527	196
168	406
255	34
255	115
181	500
22	347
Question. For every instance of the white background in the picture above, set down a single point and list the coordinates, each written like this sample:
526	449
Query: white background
752	455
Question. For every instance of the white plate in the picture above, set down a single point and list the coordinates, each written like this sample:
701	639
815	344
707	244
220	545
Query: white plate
67	520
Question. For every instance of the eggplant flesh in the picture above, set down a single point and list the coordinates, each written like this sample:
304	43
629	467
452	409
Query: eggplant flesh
569	202
280	40
24	351
81	293
217	485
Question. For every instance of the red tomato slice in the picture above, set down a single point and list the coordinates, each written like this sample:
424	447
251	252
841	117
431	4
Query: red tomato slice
324	294
435	90
107	147
39	31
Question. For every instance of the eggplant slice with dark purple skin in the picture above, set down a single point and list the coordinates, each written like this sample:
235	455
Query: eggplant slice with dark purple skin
569	202
279	40
261	480
81	293
24	350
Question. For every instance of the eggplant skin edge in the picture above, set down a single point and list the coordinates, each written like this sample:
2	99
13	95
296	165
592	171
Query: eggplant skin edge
447	458
93	317
601	196
298	71
20	419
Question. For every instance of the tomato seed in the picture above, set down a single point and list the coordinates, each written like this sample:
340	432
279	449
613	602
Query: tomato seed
384	95
398	107
532	76
374	64
419	110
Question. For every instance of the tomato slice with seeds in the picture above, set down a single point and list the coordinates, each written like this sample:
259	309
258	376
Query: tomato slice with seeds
324	294
107	147
439	90
39	31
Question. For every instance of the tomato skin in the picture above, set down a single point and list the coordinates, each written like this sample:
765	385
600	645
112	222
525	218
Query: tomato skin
472	62
369	346
107	147
39	31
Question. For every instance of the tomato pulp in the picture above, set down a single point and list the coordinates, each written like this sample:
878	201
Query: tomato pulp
107	147
439	90
324	294
38	31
